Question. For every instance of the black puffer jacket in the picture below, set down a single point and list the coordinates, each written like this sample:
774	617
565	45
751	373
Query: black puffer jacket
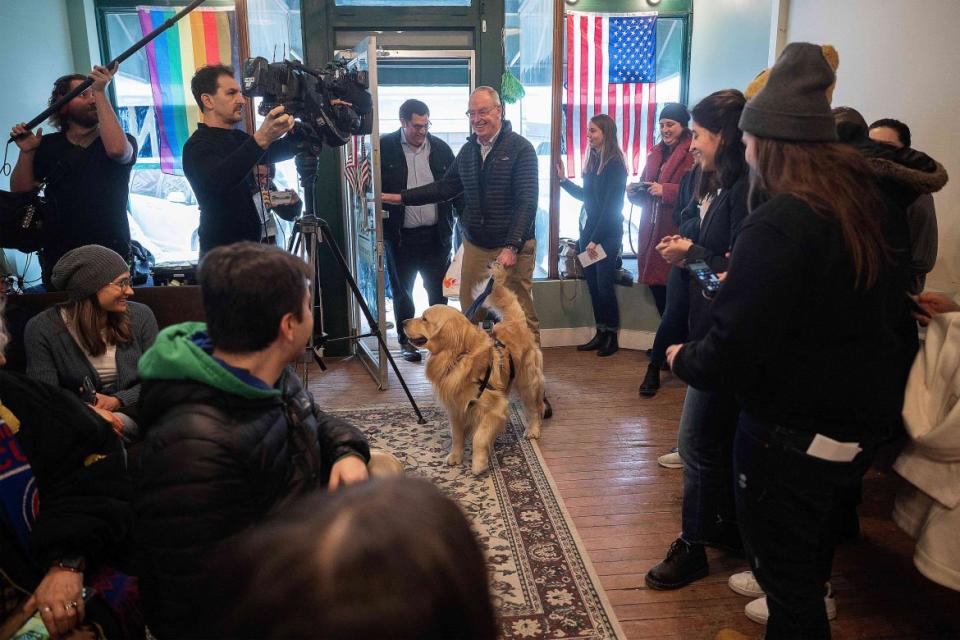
500	194
215	463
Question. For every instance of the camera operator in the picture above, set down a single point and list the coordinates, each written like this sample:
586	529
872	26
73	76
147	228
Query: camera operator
219	160
86	166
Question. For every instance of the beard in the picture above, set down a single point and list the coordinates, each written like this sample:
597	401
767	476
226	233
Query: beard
84	117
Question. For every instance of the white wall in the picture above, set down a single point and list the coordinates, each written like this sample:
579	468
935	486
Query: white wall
900	59
35	50
730	44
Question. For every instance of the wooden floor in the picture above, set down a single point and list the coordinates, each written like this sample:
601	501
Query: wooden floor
601	448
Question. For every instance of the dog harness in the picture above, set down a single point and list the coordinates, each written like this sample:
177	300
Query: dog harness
498	347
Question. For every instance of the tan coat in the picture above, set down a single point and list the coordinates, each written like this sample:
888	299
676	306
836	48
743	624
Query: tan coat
928	509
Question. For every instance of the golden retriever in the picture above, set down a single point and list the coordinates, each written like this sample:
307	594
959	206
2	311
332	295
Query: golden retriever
460	355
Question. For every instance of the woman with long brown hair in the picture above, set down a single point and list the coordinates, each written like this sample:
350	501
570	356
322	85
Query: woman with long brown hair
604	182
91	343
805	332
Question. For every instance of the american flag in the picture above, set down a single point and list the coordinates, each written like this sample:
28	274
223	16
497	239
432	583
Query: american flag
611	68
350	168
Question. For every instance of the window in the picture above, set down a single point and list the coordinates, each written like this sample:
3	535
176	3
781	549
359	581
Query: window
529	57
403	3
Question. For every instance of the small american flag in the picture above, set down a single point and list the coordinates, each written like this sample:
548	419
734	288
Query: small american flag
350	168
611	68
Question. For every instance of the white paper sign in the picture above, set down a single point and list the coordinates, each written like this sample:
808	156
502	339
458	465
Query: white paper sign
829	449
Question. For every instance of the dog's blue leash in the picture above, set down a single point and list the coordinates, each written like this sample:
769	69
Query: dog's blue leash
472	309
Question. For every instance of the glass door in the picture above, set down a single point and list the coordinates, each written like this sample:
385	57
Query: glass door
360	160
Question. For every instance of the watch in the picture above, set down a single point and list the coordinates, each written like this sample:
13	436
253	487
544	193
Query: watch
76	564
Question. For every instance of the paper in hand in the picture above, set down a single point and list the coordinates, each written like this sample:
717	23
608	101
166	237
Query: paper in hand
586	260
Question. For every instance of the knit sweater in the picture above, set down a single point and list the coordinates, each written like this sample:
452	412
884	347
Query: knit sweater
602	196
219	165
54	357
500	193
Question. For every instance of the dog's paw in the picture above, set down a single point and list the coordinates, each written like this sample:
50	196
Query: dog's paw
479	467
532	433
498	273
454	459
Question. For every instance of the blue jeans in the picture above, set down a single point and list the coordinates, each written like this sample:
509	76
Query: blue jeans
675	320
788	506
600	278
707	426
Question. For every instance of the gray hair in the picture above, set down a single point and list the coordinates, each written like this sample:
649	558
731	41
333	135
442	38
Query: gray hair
489	91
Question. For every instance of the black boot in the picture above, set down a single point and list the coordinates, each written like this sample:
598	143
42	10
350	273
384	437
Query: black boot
684	563
651	381
609	345
547	408
594	343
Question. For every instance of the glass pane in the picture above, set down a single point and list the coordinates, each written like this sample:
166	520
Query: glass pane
669	54
162	210
529	57
403	3
442	83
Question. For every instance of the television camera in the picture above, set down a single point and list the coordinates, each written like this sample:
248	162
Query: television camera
329	105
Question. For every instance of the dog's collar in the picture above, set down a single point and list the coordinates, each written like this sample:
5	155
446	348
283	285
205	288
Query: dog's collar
498	347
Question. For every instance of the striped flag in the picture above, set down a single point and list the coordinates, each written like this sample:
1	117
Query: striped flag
205	36
611	68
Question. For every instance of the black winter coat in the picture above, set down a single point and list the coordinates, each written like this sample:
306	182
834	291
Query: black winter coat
717	232
393	165
800	346
500	194
602	197
213	465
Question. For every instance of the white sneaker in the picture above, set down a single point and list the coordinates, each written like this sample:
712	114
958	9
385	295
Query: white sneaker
745	584
671	460
758	612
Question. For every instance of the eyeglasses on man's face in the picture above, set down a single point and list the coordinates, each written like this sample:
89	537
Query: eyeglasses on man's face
483	113
419	128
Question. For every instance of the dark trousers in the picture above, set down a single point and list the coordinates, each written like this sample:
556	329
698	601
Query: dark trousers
659	292
788	507
707	427
418	250
600	278
675	319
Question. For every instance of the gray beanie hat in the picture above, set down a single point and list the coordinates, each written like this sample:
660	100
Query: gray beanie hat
83	271
676	112
793	105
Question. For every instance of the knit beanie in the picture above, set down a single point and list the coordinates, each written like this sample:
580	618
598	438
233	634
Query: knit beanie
676	112
83	271
793	105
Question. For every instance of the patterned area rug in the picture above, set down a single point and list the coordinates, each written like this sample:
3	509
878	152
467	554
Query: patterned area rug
542	581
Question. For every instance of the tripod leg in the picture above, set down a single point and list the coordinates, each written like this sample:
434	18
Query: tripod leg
374	326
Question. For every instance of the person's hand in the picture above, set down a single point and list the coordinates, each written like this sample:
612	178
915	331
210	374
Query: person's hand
102	77
112	419
391	198
672	352
663	244
676	251
561	170
634	188
507	257
933	303
348	470
722	277
26	140
592	250
267	201
276	124
655	189
59	598
110	403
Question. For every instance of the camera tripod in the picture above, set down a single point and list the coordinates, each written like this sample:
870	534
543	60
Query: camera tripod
309	232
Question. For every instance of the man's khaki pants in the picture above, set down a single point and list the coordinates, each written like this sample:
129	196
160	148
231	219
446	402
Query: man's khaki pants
475	269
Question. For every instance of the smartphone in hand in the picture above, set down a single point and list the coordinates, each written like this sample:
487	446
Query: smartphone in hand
705	276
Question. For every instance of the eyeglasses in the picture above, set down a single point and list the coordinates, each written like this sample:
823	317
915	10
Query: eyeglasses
483	113
123	284
420	127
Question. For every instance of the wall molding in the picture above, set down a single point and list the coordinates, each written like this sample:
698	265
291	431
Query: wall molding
570	336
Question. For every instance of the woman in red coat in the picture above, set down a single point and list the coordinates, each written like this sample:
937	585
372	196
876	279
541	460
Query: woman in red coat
666	164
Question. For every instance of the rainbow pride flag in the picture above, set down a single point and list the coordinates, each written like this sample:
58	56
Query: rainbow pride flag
205	36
